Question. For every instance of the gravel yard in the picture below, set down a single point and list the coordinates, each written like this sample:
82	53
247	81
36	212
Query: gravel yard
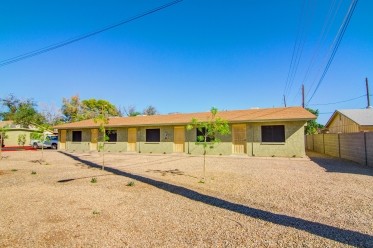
245	202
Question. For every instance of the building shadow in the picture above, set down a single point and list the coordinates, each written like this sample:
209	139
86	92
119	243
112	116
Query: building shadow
338	165
344	236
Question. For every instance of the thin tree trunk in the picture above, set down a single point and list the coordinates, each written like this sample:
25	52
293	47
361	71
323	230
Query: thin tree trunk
42	148
1	147
103	151
103	158
204	165
42	152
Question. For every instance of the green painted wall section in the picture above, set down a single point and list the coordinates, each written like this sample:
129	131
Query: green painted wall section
166	144
120	145
292	147
82	146
222	148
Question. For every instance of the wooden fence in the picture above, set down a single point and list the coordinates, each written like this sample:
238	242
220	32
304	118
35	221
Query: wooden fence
356	147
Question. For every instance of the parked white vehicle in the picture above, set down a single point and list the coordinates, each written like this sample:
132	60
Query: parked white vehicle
51	141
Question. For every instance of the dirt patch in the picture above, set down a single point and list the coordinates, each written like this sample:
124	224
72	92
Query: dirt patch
245	202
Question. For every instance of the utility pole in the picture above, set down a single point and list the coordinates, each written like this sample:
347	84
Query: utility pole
368	96
303	95
284	101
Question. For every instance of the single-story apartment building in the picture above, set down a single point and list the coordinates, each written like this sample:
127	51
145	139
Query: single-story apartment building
254	132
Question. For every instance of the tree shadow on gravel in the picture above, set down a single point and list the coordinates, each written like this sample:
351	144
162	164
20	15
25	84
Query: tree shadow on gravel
330	232
73	179
333	164
159	161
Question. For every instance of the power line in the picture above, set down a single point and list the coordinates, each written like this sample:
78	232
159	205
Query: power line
321	40
326	54
331	103
84	36
294	48
336	46
305	20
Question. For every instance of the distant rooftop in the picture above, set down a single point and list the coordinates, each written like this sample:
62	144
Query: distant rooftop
5	123
363	117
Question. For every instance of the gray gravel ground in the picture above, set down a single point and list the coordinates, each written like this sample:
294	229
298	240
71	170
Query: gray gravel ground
245	202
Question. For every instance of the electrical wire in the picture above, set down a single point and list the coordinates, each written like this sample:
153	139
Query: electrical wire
331	103
337	42
304	25
325	58
294	48
330	17
84	36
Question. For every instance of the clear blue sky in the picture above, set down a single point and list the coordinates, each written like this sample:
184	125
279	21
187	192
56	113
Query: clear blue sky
186	58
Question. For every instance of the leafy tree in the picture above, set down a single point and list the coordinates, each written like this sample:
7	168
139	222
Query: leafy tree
12	103
76	110
94	107
312	125
22	112
27	115
150	110
208	133
72	109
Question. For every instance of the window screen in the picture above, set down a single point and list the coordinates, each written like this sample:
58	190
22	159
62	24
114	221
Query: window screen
273	133
153	135
77	136
111	135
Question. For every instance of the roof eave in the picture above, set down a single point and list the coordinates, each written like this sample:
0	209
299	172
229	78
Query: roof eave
185	123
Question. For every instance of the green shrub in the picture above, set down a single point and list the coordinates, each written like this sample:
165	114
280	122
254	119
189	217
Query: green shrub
130	184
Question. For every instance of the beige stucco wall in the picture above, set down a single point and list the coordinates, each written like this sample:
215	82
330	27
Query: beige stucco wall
12	137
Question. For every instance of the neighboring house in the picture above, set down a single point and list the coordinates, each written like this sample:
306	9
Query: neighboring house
13	131
350	121
254	132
